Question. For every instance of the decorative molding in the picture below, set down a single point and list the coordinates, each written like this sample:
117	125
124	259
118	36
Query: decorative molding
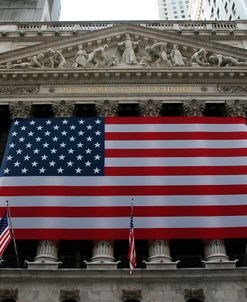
73	294
150	108
193	108
235	108
21	90
20	109
232	88
107	108
194	293
131	294
63	108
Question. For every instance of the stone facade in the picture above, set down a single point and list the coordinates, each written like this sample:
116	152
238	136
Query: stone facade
186	68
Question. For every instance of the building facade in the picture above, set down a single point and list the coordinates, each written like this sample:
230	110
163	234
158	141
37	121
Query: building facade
174	9
30	10
46	72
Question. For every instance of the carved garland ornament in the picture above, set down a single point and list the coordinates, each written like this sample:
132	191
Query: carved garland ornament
19	90
73	294
194	293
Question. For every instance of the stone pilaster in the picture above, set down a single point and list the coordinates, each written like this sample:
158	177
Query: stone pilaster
159	255
63	108
193	108
20	109
150	108
107	108
236	108
215	255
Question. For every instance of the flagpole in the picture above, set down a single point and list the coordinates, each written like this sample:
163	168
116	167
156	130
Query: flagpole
13	234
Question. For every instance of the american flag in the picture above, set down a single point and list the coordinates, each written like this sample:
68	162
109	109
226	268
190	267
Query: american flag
72	178
132	249
5	234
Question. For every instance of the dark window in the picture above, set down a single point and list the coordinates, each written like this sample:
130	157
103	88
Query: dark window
85	110
42	111
171	109
215	110
9	300
236	249
193	300
128	110
70	300
4	128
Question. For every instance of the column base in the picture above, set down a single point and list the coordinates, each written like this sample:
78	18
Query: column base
43	265
101	265
161	265
216	264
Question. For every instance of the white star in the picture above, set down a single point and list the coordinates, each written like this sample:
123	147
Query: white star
79	157
52	163
89	139
97	145
14	133
44	157
89	127
24	170
96	170
72	127
64	133
53	151
65	122
10	157
60	170
70	164
71	151
19	151
62	145
98	121
17	164
21	139
6	171
81	122
48	122
38	139
45	145
28	145
36	151
79	145
72	139
80	133
62	157
88	151
34	164
78	170
88	164
47	133
12	145
32	122
97	157
30	133
55	139
27	157
97	132
23	128
39	128
42	170
56	127
16	123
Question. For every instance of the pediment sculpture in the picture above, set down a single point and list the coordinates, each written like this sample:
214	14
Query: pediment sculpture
128	53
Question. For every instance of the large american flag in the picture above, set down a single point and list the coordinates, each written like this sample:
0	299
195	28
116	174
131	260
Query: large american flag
73	178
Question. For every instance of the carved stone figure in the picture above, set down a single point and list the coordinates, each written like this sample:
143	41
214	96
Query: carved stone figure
81	57
36	61
220	60
143	61
158	53
55	58
200	58
113	62
127	48
176	56
97	57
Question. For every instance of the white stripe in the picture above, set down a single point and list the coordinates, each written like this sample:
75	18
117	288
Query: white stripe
123	222
119	201
125	181
175	127
175	161
175	144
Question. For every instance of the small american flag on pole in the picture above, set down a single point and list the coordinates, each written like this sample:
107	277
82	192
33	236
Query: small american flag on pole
5	234
132	250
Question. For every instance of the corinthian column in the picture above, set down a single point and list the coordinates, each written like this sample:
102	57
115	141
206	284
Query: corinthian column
103	250
193	108
236	108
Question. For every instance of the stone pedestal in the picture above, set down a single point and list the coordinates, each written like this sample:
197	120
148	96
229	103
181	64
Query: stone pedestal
159	256
103	256
46	258
215	255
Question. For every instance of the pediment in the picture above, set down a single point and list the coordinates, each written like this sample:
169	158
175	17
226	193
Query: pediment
125	46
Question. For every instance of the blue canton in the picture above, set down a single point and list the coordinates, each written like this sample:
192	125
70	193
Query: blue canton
3	223
55	147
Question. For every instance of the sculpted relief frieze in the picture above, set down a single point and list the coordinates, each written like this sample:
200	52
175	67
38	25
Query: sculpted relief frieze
128	52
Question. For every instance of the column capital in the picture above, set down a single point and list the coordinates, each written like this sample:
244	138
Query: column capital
63	108
107	108
150	108
193	108
236	108
20	109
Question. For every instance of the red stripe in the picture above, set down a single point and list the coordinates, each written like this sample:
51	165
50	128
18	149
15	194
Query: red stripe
151	171
197	152
175	135
140	211
175	120
122	234
123	190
